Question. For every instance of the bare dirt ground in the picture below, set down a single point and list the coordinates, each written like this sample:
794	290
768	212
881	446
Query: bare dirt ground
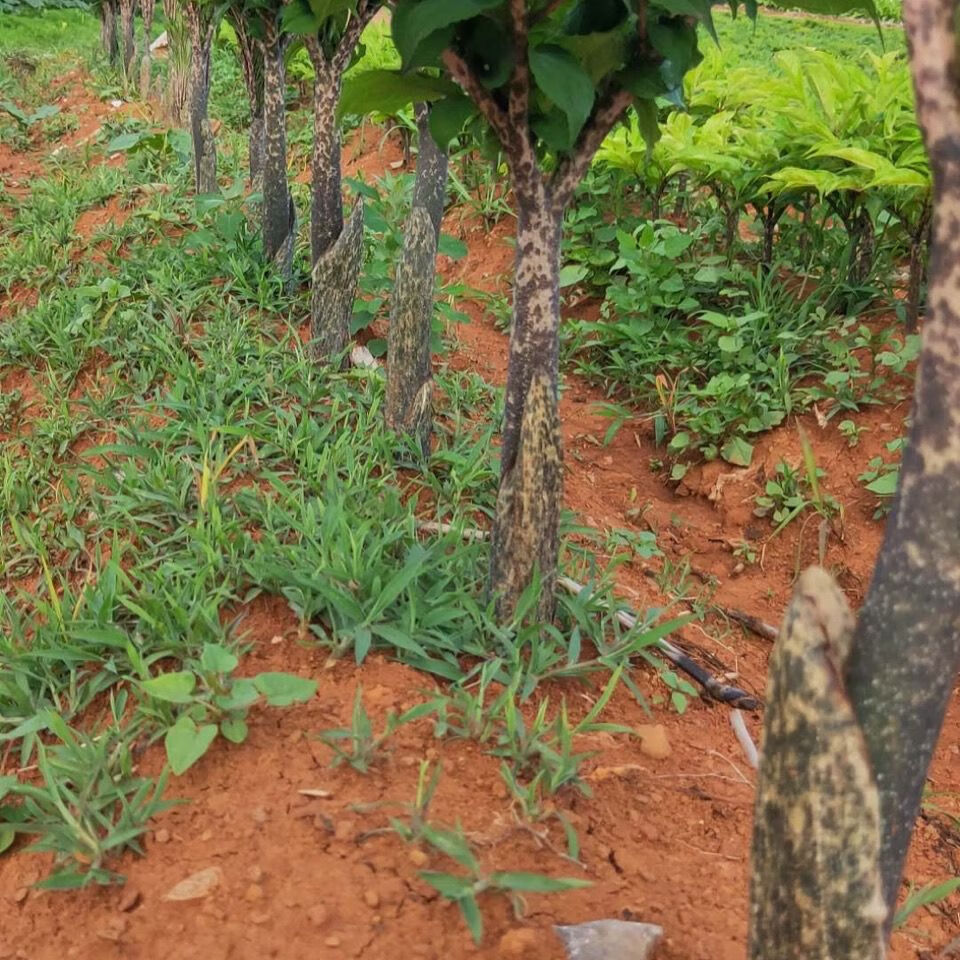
665	836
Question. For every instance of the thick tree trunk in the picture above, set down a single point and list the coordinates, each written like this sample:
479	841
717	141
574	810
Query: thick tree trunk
326	210
201	30
409	376
178	61
128	9
430	185
108	30
279	212
907	648
147	8
250	55
815	881
526	526
334	287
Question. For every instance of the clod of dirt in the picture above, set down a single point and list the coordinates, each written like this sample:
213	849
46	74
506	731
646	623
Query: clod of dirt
197	885
318	915
20	894
610	940
371	898
253	893
129	900
653	741
521	942
112	929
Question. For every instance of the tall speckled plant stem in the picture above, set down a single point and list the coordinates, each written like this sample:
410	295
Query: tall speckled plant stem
108	30
906	649
128	47
525	539
147	8
279	213
430	183
201	26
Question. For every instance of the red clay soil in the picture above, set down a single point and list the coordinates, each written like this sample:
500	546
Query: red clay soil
665	835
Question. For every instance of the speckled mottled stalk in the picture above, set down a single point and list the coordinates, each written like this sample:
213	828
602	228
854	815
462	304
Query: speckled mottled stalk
147	8
128	47
108	30
409	375
178	61
326	206
907	644
430	184
279	212
201	26
815	889
527	520
334	287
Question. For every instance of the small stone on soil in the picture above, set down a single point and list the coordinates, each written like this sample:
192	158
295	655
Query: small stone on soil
162	835
332	941
20	894
259	815
371	898
197	885
255	873
418	858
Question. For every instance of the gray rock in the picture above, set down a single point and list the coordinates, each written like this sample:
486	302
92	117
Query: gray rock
610	940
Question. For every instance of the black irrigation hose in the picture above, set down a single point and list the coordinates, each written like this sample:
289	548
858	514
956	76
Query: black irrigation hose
716	689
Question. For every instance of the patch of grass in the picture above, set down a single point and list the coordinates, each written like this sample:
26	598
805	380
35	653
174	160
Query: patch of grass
50	33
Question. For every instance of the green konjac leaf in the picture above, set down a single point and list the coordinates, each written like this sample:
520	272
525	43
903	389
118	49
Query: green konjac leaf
303	17
699	9
414	21
676	41
174	687
600	54
596	16
389	91
488	51
566	83
186	743
448	117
